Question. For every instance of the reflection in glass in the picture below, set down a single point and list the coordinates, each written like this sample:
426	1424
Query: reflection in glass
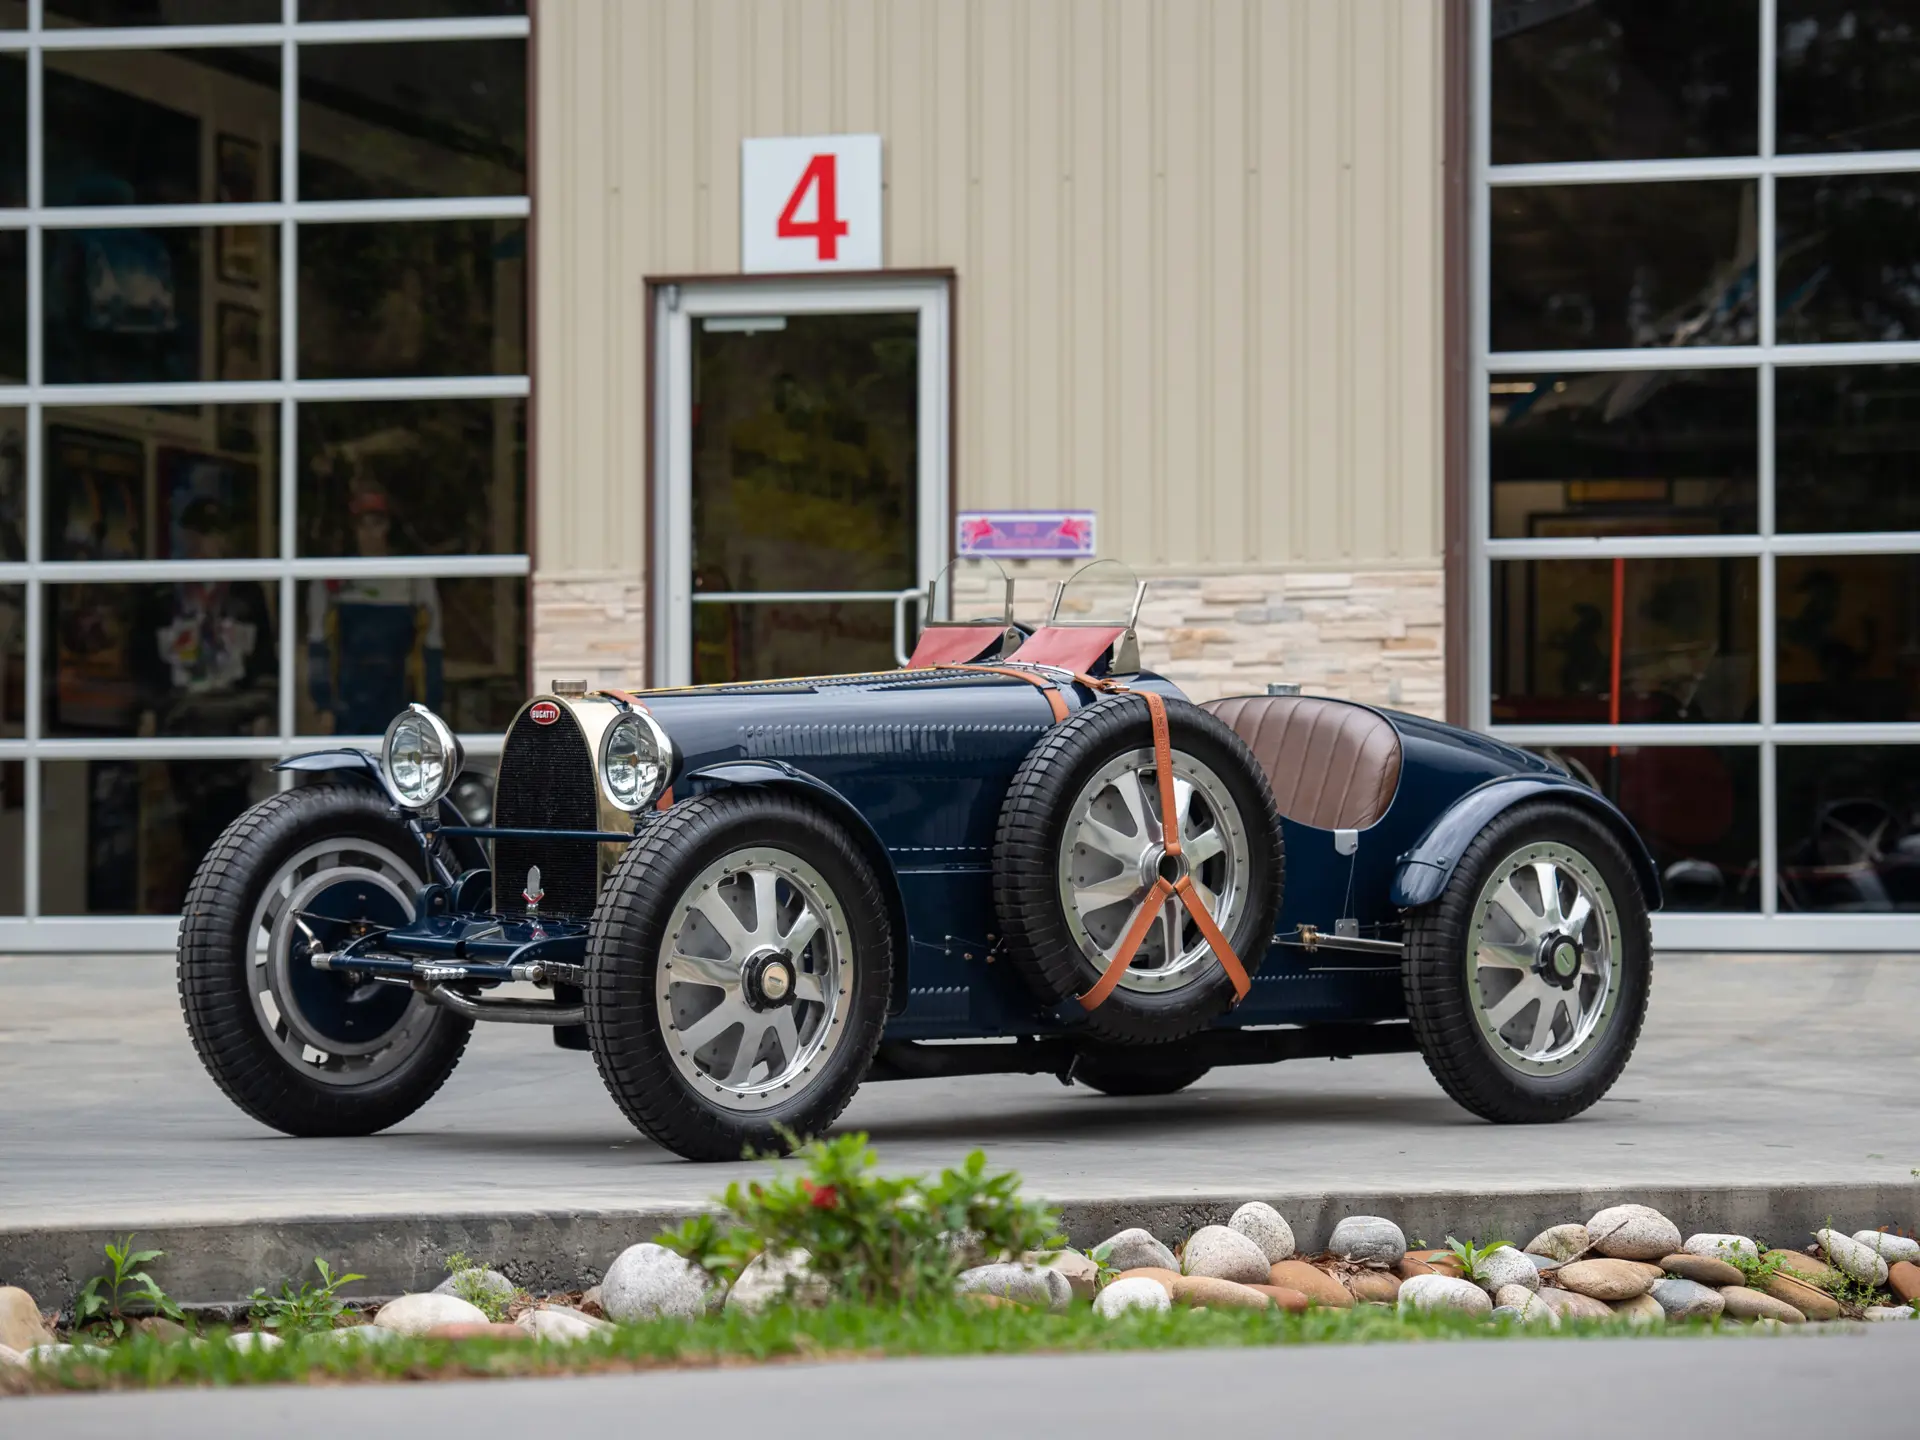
407	9
1849	827
1637	452
13	130
1847	448
13	485
161	127
1849	637
735	640
1849	267
187	482
191	658
13	307
1686	651
438	118
116	14
1698	809
371	645
1849	70
126	306
413	477
1616	266
1625	80
13	847
123	837
13	661
440	297
805	455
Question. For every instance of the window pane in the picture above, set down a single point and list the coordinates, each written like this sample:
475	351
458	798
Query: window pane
443	118
1848	74
131	127
1698	809
189	482
1849	637
413	477
13	804
13	485
123	837
177	303
370	646
1613	266
1849	827
1847	448
13	307
114	14
754	641
1849	258
13	661
443	297
13	130
406	9
1637	452
1625	80
200	658
1687	629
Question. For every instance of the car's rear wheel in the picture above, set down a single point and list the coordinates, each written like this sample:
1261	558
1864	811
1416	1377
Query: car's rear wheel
1527	980
738	974
306	1051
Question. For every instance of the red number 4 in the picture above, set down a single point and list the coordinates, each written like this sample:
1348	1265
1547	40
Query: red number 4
826	227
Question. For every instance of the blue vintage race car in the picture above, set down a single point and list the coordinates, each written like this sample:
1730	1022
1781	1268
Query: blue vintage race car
745	899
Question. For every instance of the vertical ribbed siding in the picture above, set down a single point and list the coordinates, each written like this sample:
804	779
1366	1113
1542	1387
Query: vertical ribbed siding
1197	241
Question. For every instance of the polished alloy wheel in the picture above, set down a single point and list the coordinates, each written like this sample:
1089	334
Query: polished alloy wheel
338	1029
1543	958
755	978
1113	850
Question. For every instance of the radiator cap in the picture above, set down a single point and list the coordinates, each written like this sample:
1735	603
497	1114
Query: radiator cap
570	688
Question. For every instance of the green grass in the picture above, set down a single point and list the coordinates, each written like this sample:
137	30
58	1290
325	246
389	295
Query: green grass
844	1332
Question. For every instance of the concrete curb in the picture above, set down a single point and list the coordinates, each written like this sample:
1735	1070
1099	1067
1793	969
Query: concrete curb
222	1262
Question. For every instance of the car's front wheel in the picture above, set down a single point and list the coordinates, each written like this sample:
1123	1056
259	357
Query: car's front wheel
1527	980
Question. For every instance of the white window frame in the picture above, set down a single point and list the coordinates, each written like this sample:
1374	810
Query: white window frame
1769	929
680	306
32	932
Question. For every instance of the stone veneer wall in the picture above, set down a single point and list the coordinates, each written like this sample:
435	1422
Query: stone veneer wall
1374	636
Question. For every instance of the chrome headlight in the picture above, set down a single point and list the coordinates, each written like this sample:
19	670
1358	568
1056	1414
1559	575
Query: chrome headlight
420	758
635	760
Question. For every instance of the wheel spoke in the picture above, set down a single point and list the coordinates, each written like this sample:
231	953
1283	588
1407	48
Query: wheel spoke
1578	914
785	1031
807	986
704	970
766	908
1543	1020
1202	847
717	913
751	1039
1100	836
1514	1001
712	1025
800	934
1182	804
1547	875
1510	903
1492	955
1145	827
1102	894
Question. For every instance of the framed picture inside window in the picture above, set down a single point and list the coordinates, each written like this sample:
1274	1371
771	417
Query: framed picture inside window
239	336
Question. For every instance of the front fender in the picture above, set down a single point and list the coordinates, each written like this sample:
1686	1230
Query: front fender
1423	872
358	767
776	774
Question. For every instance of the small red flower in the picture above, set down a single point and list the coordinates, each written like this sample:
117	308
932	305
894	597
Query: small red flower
824	1197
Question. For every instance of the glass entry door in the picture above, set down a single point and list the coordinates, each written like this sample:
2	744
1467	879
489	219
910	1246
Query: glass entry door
803	451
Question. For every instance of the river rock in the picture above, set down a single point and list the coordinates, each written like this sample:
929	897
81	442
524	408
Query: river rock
159	1327
1848	1254
1633	1232
1368	1237
1137	1250
1818	1271
21	1327
1721	1247
562	1324
1374	1287
1888	1312
1410	1267
1810	1300
1682	1298
1032	1285
470	1330
416	1314
1430	1293
1703	1269
1640	1310
1083	1276
1903	1278
1888	1247
1292	1301
1527	1307
1267	1228
1158	1274
11	1356
1318	1286
59	1354
1608	1280
764	1281
1560	1242
1506	1266
647	1281
254	1340
1571	1305
1746	1304
476	1282
1542	1264
1437	1262
1216	1294
1136	1293
1217	1253
350	1335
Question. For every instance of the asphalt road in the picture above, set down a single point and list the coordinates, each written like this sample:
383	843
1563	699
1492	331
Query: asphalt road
1752	1070
1860	1386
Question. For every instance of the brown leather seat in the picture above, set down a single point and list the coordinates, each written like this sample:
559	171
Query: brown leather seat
1331	764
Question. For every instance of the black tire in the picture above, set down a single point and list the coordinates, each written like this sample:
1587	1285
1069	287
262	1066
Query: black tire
1125	1075
1027	860
1447	1018
251	1058
641	1061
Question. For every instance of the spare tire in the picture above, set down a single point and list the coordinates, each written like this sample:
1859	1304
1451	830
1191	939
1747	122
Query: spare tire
1079	847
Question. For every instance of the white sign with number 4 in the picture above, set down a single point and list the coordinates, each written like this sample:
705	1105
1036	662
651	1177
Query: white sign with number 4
810	202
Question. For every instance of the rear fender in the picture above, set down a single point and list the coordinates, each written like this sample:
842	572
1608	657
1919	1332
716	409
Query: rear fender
772	774
357	767
1423	872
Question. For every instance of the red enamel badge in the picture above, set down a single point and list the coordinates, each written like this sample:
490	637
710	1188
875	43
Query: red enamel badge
544	713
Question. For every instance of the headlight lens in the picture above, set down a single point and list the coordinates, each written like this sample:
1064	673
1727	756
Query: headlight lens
635	759
420	758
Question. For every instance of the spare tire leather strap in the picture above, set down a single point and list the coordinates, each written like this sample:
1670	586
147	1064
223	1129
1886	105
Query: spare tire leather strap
1056	702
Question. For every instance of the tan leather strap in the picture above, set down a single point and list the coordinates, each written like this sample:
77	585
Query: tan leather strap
1056	702
1130	944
